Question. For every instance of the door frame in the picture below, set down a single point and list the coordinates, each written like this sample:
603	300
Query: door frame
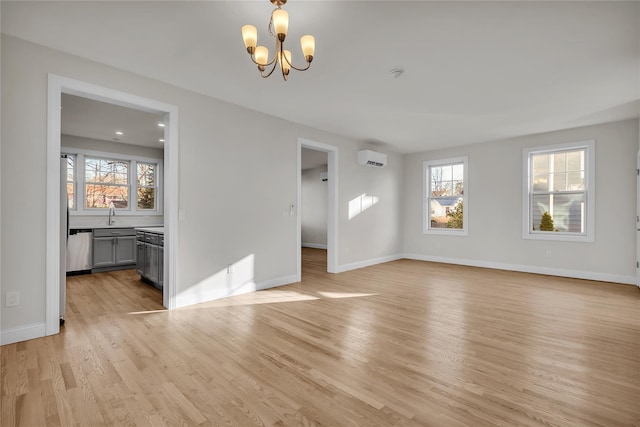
57	85
332	205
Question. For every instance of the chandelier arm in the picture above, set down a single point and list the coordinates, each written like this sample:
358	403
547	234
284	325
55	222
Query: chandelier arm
265	65
296	68
299	69
264	76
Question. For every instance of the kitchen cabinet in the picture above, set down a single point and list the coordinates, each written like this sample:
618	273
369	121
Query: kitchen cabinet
113	249
150	253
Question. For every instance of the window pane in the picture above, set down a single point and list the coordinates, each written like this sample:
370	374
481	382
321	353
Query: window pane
441	188
446	212
70	198
575	181
575	160
540	164
559	182
106	171
70	163
458	172
146	198
436	173
458	188
146	174
566	212
559	162
101	196
447	173
541	182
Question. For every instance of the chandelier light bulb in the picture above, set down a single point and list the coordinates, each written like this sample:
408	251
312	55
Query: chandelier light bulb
308	44
262	56
250	37
280	23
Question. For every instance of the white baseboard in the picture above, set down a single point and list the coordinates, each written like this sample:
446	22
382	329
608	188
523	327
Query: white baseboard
367	263
562	272
22	333
314	245
183	300
280	281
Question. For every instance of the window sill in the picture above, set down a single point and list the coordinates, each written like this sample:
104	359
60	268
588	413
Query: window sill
445	232
558	237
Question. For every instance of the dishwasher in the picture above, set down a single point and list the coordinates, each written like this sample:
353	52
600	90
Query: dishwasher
79	251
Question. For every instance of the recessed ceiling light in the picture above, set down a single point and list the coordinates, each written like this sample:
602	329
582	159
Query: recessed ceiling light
161	125
119	132
161	140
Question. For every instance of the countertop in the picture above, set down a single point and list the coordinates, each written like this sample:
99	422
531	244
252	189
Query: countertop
93	227
159	230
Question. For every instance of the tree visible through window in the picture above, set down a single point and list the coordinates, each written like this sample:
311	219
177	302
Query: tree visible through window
445	195
146	185
106	182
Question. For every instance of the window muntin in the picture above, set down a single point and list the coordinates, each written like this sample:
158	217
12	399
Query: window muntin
559	192
445	196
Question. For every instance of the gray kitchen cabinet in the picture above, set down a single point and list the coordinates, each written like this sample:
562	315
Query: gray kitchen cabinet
103	252
151	264
140	262
161	265
113	249
150	254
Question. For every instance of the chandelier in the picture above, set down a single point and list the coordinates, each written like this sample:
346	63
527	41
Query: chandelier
278	25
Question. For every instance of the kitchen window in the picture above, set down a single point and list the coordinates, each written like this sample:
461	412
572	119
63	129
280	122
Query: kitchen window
559	192
106	183
445	196
127	183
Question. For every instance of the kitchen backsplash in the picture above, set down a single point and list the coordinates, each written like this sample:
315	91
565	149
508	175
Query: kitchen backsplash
92	221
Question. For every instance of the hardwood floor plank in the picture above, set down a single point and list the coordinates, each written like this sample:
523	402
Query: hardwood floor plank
406	343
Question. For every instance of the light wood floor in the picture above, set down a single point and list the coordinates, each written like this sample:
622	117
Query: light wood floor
406	343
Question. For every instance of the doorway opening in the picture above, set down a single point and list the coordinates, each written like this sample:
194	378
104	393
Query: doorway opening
55	270
317	202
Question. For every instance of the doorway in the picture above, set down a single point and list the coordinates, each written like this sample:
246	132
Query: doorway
57	86
331	205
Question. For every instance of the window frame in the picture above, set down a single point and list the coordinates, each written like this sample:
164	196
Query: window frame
426	197
589	192
132	179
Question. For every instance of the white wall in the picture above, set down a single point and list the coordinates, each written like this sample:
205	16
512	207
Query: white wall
495	208
314	208
232	194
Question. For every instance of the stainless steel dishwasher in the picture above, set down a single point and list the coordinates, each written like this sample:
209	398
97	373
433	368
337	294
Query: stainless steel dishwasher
79	251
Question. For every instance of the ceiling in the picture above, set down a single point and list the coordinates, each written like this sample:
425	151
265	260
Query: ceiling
312	159
474	71
99	120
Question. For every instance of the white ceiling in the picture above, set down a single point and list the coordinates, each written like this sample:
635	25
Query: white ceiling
474	71
99	120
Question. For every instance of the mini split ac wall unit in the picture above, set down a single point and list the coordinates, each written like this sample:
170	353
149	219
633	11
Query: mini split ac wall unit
372	158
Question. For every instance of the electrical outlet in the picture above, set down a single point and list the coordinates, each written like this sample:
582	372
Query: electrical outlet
182	215
13	299
230	269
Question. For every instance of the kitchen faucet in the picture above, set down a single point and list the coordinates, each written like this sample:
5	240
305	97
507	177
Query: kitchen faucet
112	213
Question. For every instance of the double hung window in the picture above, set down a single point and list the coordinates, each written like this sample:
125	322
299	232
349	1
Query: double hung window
559	192
98	181
445	196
